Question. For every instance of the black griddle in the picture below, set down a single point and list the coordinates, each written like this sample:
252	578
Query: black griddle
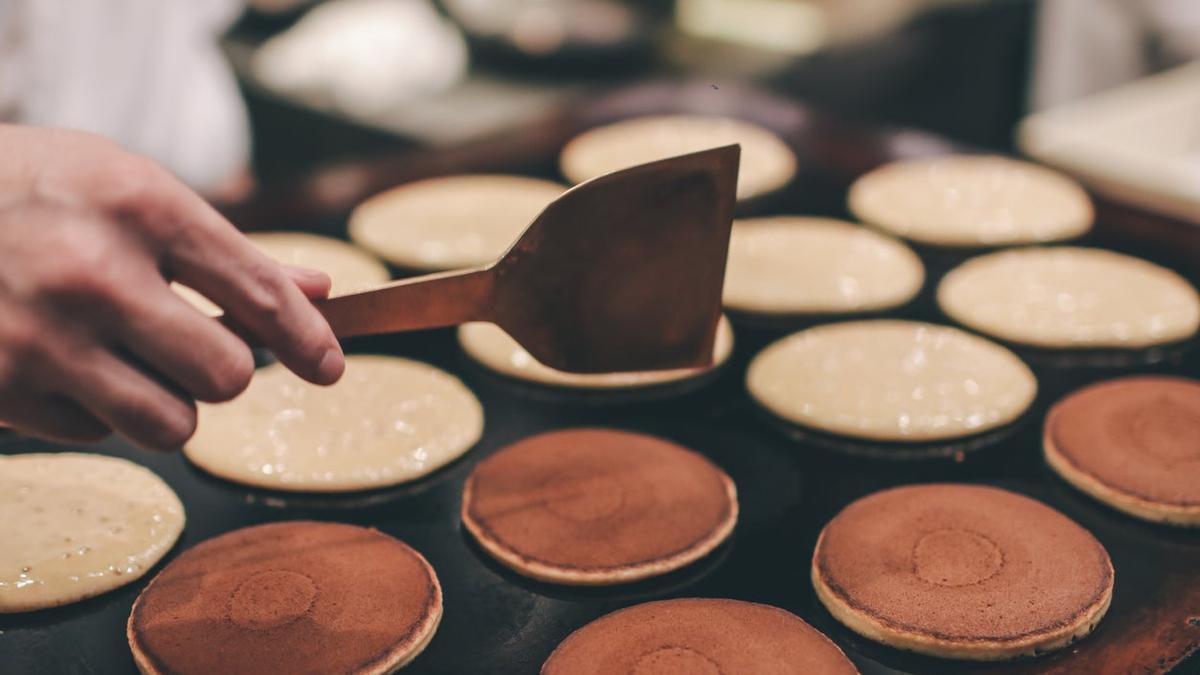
499	623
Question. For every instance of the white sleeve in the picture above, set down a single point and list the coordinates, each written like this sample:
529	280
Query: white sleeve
147	73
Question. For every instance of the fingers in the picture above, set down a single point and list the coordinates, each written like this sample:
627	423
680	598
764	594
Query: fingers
314	284
202	250
55	418
128	401
259	295
198	354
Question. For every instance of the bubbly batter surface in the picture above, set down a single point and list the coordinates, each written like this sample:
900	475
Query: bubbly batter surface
891	380
767	163
799	265
972	200
450	222
77	525
387	421
1071	297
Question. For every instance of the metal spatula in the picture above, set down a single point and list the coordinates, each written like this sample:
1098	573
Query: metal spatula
621	273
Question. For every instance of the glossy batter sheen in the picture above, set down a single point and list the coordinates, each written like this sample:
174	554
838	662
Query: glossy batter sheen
597	506
961	571
1061	297
1133	443
698	636
891	380
290	597
767	163
801	265
350	268
450	222
971	200
387	421
76	525
491	346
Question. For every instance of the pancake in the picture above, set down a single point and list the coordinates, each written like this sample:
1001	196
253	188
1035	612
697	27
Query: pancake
961	571
597	506
1132	443
971	201
491	347
350	268
791	265
288	597
767	163
450	222
698	636
76	525
1069	297
891	381
387	421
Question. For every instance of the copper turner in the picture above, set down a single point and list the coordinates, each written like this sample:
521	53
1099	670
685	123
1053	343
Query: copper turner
621	273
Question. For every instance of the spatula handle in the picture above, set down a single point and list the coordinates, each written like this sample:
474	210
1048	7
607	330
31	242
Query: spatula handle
430	301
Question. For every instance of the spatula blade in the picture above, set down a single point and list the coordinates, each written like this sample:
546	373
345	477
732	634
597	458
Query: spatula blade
655	239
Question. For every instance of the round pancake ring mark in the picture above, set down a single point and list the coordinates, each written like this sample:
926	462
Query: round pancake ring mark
583	498
674	659
1161	416
291	595
956	557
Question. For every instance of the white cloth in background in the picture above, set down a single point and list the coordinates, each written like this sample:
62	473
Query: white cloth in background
1087	46
148	74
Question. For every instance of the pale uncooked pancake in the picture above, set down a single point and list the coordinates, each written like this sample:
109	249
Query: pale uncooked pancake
971	200
387	421
76	525
450	222
350	268
1061	297
767	163
491	346
800	265
961	571
891	380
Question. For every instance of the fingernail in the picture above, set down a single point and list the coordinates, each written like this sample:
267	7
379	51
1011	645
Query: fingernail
332	364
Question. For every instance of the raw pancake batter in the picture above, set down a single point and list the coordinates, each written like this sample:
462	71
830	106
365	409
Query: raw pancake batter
767	163
452	221
891	380
77	525
971	201
388	420
1070	297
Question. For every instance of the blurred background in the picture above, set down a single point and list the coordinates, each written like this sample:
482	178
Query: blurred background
233	94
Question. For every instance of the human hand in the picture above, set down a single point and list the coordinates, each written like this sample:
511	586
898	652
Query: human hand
92	338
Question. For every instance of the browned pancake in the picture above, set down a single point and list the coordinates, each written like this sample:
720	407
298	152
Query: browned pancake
288	597
961	571
597	506
1133	443
697	636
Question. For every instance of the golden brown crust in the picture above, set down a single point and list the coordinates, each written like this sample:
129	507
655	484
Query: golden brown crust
960	571
285	594
576	507
1132	443
698	635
